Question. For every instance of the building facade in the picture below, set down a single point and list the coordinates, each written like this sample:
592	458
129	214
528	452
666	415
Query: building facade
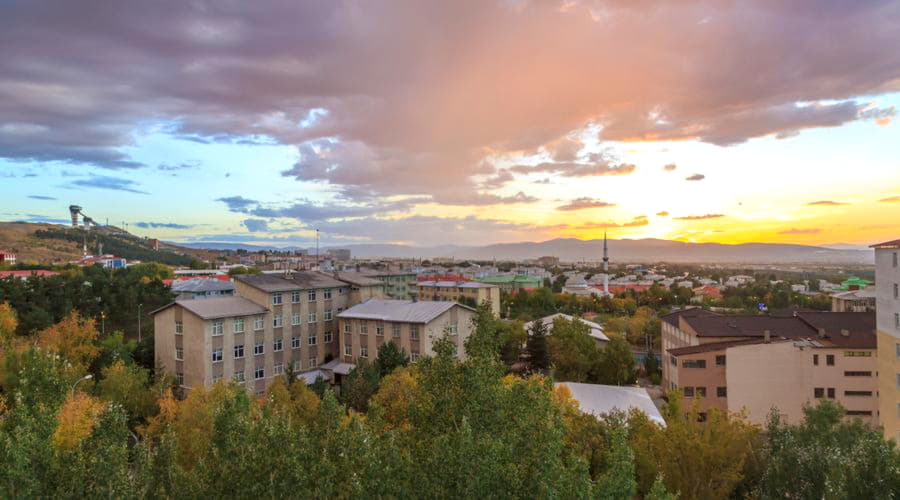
470	292
397	284
411	325
887	289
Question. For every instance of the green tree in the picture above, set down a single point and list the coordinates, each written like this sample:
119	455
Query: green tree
572	350
390	357
617	481
536	347
359	385
615	364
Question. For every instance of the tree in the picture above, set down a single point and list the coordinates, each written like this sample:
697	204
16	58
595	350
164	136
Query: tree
359	385
486	338
572	350
536	347
390	357
395	398
828	456
128	385
515	337
615	364
617	481
73	338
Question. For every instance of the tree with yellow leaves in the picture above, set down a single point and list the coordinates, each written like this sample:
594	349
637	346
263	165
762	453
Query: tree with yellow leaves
395	398
74	338
77	418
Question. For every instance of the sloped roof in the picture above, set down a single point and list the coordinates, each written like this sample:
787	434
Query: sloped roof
404	311
285	282
712	346
354	278
672	317
201	285
860	327
218	307
597	400
596	330
887	244
749	326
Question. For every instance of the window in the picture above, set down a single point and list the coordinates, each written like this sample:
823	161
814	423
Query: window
701	392
688	392
857	393
673	360
895	259
328	315
295	297
277	345
898	380
312	340
857	374
179	354
722	392
258	323
395	330
831	393
328	337
896	320
857	354
238	351
326	294
819	392
313	362
829	359
348	350
217	355
311	318
179	328
179	378
414	356
216	379
897	349
364	352
217	328
278	369
298	365
816	359
720	360
277	321
363	327
694	363
379	329
414	332
295	342
348	328
259	348
295	319
896	291
701	417
239	376
859	413
238	325
276	299
259	373
311	295
452	329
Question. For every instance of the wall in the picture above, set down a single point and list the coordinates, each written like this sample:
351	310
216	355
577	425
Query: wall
886	275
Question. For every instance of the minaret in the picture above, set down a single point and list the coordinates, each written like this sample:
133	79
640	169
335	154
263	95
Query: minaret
605	267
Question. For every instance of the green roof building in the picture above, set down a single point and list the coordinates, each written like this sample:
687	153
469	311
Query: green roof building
510	282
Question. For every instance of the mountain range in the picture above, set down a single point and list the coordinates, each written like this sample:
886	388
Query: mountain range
571	249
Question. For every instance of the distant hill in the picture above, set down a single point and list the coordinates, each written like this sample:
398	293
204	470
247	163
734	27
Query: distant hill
571	249
58	244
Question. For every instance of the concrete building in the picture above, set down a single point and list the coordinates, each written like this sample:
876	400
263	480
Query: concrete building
397	284
284	318
859	300
513	282
460	291
548	261
739	363
7	258
412	325
887	286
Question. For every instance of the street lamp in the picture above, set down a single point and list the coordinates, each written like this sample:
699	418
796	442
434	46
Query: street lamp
86	377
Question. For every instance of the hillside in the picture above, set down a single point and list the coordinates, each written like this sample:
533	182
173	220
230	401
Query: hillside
56	244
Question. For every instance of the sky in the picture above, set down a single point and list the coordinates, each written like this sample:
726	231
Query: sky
427	122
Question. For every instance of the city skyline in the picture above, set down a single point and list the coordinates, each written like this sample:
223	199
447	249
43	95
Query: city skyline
435	123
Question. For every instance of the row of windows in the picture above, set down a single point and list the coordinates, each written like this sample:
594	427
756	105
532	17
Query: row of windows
258	348
700	392
379	329
829	359
218	327
277	298
697	363
364	352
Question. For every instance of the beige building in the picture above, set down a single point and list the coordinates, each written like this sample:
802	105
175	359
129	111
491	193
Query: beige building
754	363
273	321
887	286
861	300
460	291
411	325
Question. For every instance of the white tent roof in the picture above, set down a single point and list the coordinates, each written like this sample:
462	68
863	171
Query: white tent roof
599	399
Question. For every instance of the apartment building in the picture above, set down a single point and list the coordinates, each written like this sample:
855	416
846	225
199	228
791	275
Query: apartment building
397	284
412	325
274	320
460	291
754	363
887	292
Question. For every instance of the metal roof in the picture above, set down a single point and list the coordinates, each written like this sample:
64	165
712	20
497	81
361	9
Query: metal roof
404	311
596	330
288	281
598	400
202	285
218	307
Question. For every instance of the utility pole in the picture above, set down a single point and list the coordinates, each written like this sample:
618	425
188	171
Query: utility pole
139	322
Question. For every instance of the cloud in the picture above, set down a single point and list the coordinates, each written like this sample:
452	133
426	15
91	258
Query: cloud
110	183
890	199
825	203
636	222
408	98
40	197
699	217
174	167
670	167
163	225
695	177
662	214
310	212
256	225
584	203
795	230
575	169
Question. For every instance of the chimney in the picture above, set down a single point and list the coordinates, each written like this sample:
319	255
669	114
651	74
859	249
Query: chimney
821	333
845	333
767	336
